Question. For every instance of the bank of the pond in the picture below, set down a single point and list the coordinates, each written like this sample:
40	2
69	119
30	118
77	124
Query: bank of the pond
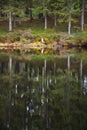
27	42
37	57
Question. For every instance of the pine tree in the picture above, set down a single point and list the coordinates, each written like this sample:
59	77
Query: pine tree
13	8
82	14
69	8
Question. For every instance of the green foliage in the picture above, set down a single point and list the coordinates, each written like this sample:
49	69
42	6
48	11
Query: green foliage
68	10
17	8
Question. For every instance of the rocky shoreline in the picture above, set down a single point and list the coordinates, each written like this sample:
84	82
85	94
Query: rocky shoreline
27	42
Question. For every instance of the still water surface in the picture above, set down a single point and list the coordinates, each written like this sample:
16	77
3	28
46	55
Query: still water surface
43	94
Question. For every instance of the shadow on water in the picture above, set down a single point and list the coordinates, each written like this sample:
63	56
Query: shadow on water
43	95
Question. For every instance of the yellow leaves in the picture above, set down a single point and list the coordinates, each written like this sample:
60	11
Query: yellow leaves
43	40
38	42
41	44
47	41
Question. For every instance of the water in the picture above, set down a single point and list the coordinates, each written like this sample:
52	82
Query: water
43	95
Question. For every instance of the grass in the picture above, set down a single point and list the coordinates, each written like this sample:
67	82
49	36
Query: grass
3	32
80	34
36	27
43	57
3	56
40	32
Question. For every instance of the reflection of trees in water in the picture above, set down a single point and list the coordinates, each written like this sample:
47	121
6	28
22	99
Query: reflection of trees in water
41	97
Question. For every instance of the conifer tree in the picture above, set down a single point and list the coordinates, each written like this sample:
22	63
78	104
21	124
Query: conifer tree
82	14
13	8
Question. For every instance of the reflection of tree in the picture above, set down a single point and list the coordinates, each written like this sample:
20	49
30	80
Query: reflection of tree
66	103
41	98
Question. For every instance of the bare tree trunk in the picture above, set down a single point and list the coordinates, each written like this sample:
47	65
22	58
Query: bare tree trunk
10	97
55	20
82	15
68	62
31	18
14	21
46	20
30	10
81	67
69	26
10	21
69	6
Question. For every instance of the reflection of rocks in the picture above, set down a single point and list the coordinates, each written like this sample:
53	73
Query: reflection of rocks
57	46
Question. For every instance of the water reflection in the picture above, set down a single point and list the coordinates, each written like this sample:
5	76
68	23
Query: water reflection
43	95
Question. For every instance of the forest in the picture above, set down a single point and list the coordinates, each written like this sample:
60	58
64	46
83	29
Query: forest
62	11
43	21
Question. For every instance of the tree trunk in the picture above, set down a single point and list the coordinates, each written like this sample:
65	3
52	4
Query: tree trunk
46	20
20	22
81	67
68	62
82	15
30	10
69	27
31	18
55	20
10	21
14	21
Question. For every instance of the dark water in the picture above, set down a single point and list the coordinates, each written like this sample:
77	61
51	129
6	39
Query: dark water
43	94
